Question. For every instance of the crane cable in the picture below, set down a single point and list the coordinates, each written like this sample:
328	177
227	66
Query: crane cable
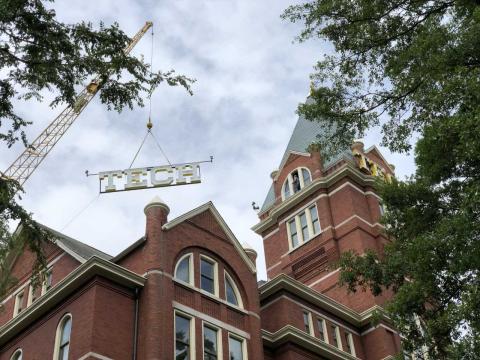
149	123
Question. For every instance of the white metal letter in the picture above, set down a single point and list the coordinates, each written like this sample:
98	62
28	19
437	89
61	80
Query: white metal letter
110	175
158	170
133	178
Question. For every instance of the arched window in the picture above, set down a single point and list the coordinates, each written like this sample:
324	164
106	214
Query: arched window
62	339
184	269
295	181
17	355
232	294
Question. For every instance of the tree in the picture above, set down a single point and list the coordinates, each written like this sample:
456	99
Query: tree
38	53
412	68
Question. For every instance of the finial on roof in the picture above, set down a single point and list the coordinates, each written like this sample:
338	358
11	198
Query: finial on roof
157	202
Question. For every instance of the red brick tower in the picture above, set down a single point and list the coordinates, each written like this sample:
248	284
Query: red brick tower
314	211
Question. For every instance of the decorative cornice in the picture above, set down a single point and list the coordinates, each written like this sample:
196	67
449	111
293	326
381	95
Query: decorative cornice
284	282
210	207
293	335
95	266
347	170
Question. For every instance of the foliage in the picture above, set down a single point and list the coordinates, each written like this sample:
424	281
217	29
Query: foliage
412	68
39	54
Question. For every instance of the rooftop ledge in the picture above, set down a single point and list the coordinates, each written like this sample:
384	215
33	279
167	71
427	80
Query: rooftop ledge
284	282
94	266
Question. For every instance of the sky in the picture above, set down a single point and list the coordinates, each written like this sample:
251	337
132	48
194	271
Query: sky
250	74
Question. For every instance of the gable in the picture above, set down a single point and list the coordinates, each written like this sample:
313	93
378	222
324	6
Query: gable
208	217
207	221
374	154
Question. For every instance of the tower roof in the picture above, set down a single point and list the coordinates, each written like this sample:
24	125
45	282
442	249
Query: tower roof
305	133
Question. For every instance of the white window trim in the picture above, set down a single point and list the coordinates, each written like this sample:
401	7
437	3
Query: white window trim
235	290
15	353
215	275
349	338
289	178
44	283
324	327
19	300
30	295
190	269
298	226
244	344
192	332
56	351
339	338
219	339
310	322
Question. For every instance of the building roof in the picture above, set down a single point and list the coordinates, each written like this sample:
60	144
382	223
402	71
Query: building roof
305	133
77	249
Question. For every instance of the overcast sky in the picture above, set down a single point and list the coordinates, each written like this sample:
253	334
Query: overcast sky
250	78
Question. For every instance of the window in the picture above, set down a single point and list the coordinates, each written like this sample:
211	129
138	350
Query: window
32	294
286	189
210	343
183	332
236	348
306	177
303	227
183	269
208	270
18	303
314	218
307	322
322	329
62	340
47	282
295	181
293	233
350	348
232	294
336	337
381	208
17	355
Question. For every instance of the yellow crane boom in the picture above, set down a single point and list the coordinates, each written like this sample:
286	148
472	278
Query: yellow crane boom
23	167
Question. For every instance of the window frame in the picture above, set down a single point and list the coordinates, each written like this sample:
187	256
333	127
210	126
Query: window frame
219	339
350	345
215	275
298	226
59	333
16	353
323	323
192	344
229	278
19	300
336	336
45	283
289	179
244	345
308	321
191	272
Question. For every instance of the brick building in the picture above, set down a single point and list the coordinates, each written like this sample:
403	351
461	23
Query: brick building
188	289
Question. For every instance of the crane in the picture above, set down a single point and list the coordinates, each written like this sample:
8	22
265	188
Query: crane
23	167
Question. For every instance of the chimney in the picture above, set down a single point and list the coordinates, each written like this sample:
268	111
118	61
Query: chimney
156	212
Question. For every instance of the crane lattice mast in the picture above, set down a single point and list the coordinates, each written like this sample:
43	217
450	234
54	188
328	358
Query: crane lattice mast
23	167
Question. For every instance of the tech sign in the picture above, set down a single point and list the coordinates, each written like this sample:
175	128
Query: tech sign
149	177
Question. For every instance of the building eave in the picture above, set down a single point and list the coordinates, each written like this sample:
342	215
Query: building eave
347	170
284	283
290	334
95	266
210	207
375	148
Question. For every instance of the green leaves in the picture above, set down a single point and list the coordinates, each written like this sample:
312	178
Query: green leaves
413	68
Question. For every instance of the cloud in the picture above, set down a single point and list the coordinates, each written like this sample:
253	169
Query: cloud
250	79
